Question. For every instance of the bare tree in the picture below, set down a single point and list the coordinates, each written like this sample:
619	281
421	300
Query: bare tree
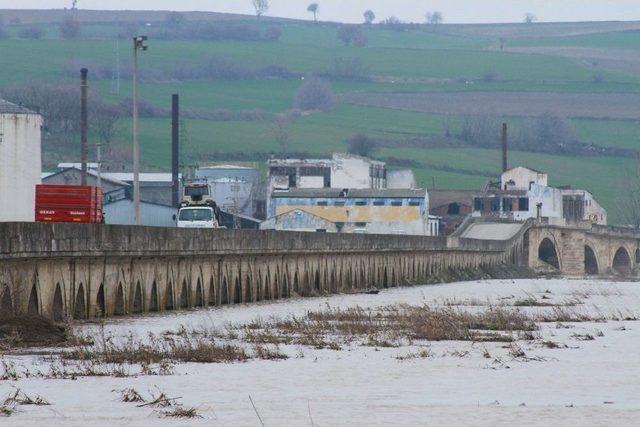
281	132
369	17
434	18
314	94
530	18
103	120
628	197
361	145
74	4
261	7
314	8
352	34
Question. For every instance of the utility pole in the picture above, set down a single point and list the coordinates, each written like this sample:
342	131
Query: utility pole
175	149
83	126
505	164
138	44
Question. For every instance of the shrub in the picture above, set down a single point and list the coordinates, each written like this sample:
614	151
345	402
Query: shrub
69	28
349	34
31	33
350	68
273	34
314	94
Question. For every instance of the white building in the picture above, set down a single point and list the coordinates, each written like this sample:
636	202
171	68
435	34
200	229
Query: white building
341	171
20	161
524	193
363	211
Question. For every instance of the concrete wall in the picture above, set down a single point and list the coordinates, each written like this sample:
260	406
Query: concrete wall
20	165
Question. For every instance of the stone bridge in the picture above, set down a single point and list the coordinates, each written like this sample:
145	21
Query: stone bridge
81	271
89	270
592	251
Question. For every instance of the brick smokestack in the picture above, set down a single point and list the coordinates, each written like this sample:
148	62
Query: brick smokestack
175	149
83	125
505	165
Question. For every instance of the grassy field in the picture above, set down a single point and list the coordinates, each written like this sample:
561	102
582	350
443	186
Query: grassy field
419	60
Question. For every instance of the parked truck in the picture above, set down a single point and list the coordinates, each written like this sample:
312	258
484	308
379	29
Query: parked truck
68	203
197	208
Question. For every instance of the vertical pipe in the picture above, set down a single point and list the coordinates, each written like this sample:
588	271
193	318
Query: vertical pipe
175	149
136	148
504	148
83	125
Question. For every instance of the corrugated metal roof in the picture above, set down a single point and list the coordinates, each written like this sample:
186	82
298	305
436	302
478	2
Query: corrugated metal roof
335	193
7	107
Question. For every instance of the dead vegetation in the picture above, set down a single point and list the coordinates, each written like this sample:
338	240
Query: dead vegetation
31	331
10	403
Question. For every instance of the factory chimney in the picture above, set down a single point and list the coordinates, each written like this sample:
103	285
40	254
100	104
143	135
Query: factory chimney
83	125
505	165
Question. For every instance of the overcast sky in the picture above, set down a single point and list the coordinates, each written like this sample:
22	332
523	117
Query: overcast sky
472	11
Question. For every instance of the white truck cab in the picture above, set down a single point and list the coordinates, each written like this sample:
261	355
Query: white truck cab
197	217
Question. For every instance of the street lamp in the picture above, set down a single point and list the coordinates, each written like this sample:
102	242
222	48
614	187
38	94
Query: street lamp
138	44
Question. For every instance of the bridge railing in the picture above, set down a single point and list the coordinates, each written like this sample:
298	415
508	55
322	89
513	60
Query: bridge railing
20	240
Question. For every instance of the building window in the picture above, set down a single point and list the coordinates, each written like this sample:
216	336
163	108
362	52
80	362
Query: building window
396	203
414	203
495	204
361	224
323	203
453	209
340	204
507	204
378	203
361	203
477	204
523	204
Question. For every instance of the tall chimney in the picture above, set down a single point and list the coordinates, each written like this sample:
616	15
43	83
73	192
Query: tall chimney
83	125
175	149
504	148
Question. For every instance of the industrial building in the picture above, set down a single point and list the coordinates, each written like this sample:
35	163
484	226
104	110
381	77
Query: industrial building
370	211
20	161
236	189
524	193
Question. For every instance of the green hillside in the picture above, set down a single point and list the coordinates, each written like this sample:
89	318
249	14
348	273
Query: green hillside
232	118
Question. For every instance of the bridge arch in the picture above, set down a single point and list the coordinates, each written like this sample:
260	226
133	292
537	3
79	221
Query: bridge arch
33	306
6	303
590	261
168	297
119	306
638	256
100	302
136	305
548	253
80	306
153	301
211	300
237	292
184	295
622	262
199	298
57	306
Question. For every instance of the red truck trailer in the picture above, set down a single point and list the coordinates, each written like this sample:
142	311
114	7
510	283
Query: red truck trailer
68	203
